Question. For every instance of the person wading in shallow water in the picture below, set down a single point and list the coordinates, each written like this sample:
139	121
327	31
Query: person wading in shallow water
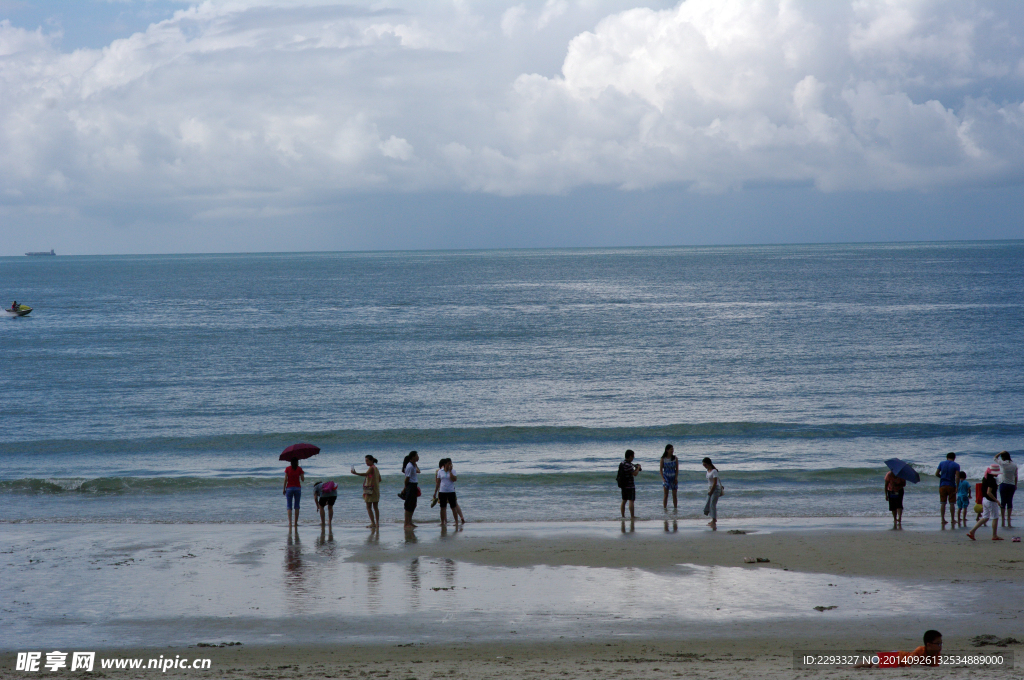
989	504
894	494
371	490
1007	486
324	496
293	478
948	473
412	487
714	493
627	471
444	491
670	475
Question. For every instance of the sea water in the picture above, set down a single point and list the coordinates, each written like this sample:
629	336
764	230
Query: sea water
163	388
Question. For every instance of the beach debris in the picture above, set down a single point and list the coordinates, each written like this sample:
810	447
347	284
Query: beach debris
736	531
763	559
993	641
448	588
754	560
820	608
214	644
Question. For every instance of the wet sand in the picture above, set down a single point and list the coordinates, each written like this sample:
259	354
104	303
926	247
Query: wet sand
669	598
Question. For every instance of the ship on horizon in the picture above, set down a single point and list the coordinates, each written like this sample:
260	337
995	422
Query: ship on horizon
42	253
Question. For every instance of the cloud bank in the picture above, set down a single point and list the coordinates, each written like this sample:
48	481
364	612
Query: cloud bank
235	108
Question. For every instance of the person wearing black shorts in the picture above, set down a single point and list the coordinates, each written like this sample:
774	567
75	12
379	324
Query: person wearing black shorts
325	498
412	487
627	471
444	491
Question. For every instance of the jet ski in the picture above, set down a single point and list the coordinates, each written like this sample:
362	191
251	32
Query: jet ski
20	310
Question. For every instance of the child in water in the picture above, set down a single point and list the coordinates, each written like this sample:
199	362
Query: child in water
963	500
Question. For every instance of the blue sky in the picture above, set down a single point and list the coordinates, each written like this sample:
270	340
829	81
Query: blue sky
269	125
87	23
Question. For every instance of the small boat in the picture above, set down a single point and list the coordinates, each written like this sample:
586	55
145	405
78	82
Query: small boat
20	310
42	253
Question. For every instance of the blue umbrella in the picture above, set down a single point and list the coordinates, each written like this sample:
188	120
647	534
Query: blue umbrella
903	470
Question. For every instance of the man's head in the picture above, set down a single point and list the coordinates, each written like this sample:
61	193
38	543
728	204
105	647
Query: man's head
629	454
952	456
932	641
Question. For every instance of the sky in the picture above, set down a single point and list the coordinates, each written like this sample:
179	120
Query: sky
158	126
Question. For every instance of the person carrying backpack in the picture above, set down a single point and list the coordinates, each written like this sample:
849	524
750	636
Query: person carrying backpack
627	471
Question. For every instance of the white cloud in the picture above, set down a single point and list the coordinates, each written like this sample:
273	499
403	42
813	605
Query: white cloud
268	99
512	19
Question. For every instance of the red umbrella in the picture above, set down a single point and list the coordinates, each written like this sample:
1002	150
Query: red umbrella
299	451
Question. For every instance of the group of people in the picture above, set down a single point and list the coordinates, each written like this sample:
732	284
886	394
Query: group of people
995	494
669	469
325	493
994	498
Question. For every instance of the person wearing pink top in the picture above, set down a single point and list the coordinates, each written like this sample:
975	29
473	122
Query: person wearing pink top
293	478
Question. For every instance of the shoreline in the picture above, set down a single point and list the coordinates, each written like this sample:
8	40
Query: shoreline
505	601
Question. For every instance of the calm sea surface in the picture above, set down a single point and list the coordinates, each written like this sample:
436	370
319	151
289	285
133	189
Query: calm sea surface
162	388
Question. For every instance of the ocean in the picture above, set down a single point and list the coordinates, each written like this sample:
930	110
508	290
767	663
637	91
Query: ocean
161	389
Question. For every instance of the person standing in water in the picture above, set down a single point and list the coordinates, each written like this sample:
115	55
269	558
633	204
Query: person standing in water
324	496
293	478
371	490
1007	486
989	504
963	500
894	487
444	490
948	473
627	471
714	493
670	475
412	487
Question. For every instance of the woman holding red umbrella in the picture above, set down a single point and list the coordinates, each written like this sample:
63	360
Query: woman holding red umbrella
294	476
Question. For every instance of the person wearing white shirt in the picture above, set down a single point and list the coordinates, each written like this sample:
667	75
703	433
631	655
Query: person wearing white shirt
412	487
444	490
1007	486
714	492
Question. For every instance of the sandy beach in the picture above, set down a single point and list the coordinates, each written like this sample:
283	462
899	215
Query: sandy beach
656	659
655	599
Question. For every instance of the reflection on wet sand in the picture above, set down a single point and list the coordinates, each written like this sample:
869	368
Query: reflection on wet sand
325	543
674	527
294	572
376	585
448	568
373	580
414	583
